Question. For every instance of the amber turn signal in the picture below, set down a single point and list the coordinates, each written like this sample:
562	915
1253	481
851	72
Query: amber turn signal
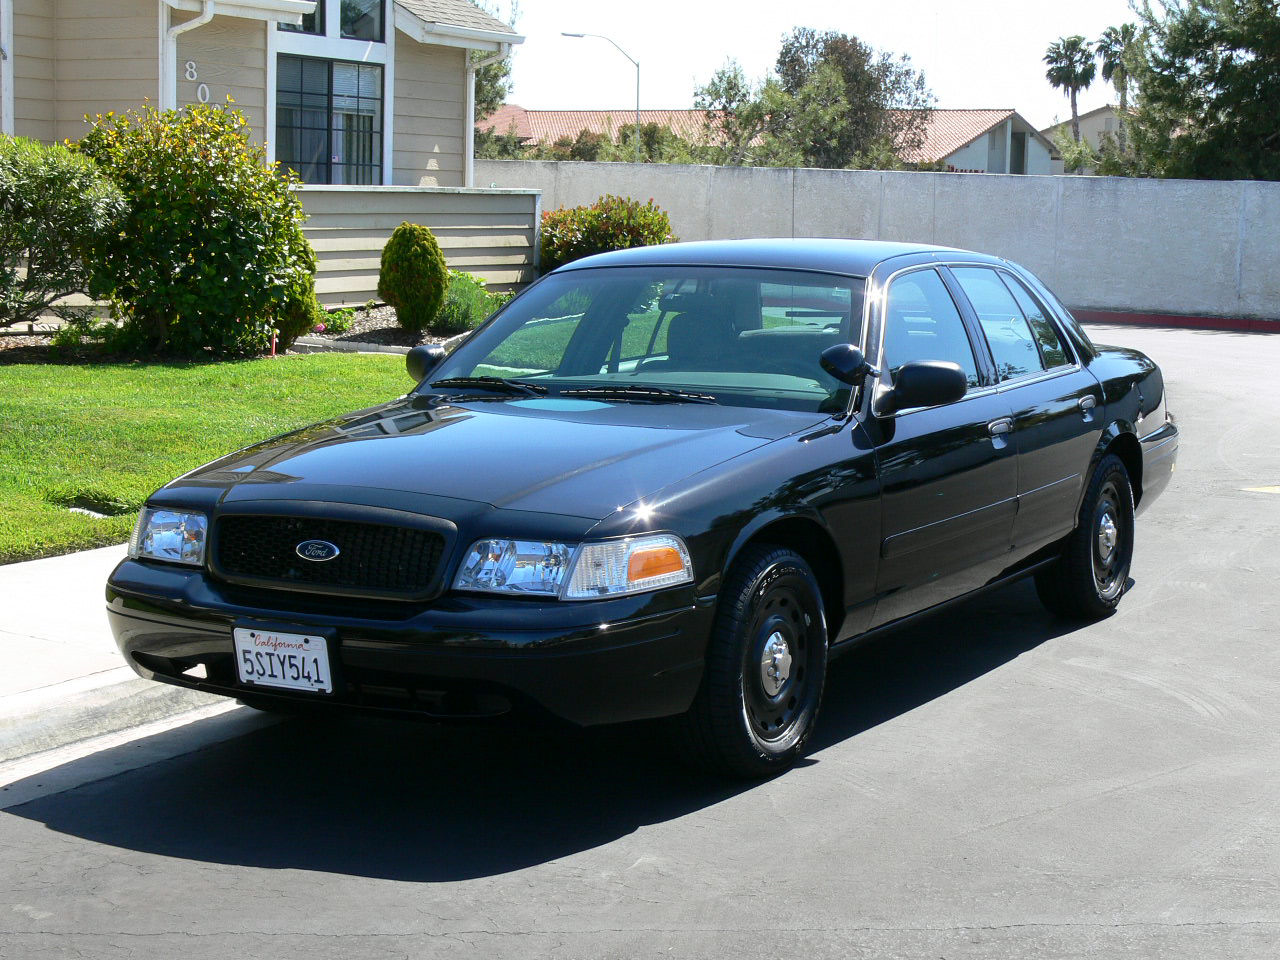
653	562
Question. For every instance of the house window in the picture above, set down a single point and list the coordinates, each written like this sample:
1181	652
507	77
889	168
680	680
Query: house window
362	20
329	120
312	23
357	20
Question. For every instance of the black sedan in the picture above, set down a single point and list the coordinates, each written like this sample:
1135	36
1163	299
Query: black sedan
668	482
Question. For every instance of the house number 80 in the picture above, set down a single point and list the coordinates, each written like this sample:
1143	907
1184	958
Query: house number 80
202	91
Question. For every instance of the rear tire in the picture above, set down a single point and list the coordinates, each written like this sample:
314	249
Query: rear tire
765	668
1087	581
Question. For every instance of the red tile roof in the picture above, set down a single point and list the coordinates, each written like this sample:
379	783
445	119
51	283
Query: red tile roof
949	130
548	126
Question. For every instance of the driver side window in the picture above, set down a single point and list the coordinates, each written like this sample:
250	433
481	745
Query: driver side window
922	322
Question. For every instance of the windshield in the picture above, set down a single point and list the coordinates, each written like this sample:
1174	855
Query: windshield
736	336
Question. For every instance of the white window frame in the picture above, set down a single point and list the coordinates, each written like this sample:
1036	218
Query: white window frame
332	46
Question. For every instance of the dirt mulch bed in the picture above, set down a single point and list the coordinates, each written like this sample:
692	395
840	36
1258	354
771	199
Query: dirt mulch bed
379	326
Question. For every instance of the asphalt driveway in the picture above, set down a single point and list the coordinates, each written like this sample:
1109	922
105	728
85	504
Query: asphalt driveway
988	783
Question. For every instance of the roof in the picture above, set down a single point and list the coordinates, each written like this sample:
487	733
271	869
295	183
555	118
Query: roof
851	257
548	126
455	13
951	130
1047	131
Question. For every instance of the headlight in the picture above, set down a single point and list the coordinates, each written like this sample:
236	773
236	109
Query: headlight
583	572
177	537
514	566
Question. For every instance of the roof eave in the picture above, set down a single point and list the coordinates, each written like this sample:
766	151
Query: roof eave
451	35
273	11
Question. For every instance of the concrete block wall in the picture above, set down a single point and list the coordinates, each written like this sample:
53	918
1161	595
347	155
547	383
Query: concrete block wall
1208	248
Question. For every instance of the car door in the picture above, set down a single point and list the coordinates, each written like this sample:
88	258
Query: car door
1055	402
948	475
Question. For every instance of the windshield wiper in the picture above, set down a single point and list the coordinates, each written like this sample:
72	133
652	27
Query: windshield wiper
496	384
628	392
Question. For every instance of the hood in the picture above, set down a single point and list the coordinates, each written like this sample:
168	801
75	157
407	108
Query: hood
579	458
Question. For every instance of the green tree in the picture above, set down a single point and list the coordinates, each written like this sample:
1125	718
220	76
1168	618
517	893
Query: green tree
1071	68
493	82
56	209
1115	48
1209	84
210	255
884	100
736	117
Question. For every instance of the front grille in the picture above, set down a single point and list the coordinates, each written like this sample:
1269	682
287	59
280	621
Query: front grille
373	559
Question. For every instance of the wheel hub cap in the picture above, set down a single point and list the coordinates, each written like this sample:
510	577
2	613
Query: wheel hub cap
775	664
1107	536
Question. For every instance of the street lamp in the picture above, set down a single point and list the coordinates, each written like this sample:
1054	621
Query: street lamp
601	36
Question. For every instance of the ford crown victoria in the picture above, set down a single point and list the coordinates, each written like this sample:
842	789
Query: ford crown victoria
669	482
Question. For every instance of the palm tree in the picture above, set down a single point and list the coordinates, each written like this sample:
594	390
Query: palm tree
1071	68
1112	48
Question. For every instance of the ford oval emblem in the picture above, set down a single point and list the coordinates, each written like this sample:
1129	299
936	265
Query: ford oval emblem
317	550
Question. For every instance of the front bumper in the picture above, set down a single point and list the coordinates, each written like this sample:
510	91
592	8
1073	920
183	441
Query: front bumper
593	662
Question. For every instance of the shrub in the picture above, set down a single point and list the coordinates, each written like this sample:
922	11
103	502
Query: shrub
466	305
55	207
611	223
211	256
413	278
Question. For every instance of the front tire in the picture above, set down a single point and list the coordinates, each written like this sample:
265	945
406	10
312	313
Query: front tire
1089	578
765	668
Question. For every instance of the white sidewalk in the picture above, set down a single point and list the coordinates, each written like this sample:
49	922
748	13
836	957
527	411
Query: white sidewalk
62	680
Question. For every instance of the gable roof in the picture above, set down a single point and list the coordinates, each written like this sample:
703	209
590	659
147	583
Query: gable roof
1087	115
548	126
952	130
455	13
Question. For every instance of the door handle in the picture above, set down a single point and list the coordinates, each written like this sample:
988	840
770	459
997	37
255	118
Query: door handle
1001	427
1088	402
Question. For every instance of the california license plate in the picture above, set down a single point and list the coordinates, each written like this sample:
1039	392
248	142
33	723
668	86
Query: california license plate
292	661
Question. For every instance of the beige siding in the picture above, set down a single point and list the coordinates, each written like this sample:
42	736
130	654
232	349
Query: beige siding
107	57
230	57
490	233
430	100
33	93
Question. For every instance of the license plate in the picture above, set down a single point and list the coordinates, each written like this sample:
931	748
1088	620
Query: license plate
293	661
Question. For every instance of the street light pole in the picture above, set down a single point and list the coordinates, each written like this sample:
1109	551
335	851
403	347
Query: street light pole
601	36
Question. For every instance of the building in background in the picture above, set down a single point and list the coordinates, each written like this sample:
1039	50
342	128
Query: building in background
1095	123
959	141
983	141
364	92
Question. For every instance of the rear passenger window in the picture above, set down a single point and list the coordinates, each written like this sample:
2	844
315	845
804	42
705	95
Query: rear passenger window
1013	346
922	323
1051	349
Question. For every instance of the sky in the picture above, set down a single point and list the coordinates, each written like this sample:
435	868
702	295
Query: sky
974	53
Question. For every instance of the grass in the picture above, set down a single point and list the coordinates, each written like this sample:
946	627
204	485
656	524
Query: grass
105	436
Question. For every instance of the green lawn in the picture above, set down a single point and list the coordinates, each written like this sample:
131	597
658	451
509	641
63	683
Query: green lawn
113	433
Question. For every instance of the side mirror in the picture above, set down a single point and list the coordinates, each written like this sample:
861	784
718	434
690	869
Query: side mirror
422	359
923	383
846	363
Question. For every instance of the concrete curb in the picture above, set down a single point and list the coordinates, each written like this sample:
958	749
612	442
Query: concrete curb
321	345
66	713
1120	318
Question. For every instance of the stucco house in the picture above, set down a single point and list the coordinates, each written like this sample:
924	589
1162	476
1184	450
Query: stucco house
983	141
369	92
1093	124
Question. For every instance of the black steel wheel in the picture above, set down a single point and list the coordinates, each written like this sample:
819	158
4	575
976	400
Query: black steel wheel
1089	578
765	669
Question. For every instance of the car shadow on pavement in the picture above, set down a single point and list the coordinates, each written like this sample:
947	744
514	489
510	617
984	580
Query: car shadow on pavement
421	803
